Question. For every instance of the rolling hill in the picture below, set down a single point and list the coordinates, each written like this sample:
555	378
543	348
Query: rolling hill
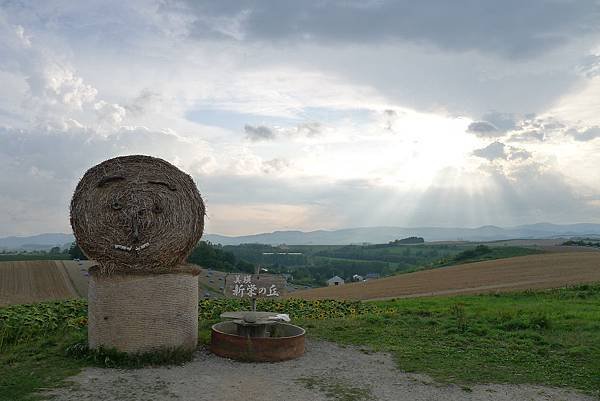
524	272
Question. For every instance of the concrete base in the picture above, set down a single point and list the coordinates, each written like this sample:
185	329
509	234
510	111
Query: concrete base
143	313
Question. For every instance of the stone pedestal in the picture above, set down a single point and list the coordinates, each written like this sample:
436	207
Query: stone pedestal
143	313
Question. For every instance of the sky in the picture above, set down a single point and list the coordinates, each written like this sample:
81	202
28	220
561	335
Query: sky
310	114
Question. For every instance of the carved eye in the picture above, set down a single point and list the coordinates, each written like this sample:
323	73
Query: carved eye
116	205
157	208
172	187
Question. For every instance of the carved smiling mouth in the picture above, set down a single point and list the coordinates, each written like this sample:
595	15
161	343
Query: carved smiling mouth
131	248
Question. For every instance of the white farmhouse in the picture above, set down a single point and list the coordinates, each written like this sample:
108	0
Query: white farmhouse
335	280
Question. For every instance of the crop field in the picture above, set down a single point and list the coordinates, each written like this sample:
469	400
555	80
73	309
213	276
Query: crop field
33	281
526	272
41	280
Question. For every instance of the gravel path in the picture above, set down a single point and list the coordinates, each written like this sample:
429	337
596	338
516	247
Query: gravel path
326	372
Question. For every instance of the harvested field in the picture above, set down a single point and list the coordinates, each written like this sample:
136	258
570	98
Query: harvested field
78	274
34	281
524	272
44	280
211	284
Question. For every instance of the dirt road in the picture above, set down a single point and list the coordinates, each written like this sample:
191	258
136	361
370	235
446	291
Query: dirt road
327	372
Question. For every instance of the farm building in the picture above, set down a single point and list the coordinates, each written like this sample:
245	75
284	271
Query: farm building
357	277
335	280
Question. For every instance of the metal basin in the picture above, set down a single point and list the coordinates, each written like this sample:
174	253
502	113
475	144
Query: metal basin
286	341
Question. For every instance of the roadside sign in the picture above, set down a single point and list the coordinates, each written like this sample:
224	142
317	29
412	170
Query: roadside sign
252	286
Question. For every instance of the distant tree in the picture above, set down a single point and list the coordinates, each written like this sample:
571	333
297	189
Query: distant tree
55	250
479	251
215	257
76	252
244	266
409	240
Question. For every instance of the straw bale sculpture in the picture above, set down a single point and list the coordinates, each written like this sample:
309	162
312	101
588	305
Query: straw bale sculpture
137	214
139	217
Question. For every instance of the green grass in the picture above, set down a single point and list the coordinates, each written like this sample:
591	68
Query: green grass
549	337
39	363
544	337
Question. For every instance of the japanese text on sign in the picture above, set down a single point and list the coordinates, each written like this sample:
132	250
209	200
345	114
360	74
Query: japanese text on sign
254	285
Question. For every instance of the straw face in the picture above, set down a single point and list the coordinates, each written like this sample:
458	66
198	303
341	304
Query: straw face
137	214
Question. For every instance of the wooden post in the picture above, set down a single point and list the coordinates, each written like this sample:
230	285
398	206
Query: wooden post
257	271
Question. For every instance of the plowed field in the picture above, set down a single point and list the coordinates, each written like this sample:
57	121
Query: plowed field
40	280
532	271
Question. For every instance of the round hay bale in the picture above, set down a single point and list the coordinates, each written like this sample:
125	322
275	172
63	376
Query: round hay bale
143	313
137	214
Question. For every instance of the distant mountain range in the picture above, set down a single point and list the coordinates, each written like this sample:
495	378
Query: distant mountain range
37	242
353	235
377	235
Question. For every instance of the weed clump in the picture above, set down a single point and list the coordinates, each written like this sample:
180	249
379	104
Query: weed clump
112	358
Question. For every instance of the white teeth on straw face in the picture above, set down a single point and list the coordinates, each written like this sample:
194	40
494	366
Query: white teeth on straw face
129	248
139	248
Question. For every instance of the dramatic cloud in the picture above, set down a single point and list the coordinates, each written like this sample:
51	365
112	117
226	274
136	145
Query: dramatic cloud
585	135
145	102
493	151
590	66
310	130
519	154
528	136
308	114
458	25
499	151
502	121
484	129
259	133
110	113
275	165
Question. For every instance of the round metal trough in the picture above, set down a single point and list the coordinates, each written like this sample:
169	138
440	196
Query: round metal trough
286	342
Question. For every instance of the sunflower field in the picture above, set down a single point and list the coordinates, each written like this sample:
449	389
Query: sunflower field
19	323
